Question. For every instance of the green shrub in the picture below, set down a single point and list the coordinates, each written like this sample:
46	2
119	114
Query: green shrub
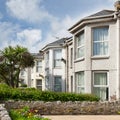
7	93
25	114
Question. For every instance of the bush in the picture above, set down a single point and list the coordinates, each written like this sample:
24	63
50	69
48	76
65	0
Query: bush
25	114
33	94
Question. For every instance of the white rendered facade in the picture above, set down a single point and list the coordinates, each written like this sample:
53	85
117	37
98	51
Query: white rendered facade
96	42
54	64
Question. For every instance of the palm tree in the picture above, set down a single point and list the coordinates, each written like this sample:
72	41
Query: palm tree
12	61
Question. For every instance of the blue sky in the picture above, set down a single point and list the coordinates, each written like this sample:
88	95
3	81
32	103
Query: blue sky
35	23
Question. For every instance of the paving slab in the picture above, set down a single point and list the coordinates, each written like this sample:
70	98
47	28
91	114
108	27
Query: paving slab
83	117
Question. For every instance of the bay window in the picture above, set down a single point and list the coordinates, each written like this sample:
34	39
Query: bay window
100	41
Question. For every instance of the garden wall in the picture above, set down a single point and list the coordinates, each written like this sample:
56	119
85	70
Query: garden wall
68	108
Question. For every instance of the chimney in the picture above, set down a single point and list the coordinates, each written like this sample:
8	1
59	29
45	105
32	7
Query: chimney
117	5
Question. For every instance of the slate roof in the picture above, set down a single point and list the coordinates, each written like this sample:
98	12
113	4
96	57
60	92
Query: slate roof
37	55
102	13
58	42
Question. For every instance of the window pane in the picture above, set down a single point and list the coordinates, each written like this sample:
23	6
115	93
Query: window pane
101	92
39	66
80	45
80	78
80	52
100	34
100	41
57	84
100	79
47	59
39	84
80	39
57	58
80	82
100	48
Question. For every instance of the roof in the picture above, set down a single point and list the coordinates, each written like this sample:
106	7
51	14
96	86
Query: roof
100	14
59	42
37	55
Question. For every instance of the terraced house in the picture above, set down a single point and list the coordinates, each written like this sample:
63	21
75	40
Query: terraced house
87	62
96	46
54	68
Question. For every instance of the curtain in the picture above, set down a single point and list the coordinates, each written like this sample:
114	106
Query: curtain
100	40
99	80
80	82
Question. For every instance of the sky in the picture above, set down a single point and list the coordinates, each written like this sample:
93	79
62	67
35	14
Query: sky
35	23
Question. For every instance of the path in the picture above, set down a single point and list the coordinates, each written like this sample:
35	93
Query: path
83	117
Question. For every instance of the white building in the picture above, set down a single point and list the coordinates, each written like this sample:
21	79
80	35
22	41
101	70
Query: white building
54	71
96	46
37	72
34	77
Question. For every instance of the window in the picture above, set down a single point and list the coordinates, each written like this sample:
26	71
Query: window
100	41
80	45
39	84
47	83
101	85
80	88
71	57
72	84
47	59
58	84
57	58
22	72
39	66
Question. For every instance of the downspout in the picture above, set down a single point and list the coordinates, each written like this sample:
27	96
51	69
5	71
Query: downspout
117	17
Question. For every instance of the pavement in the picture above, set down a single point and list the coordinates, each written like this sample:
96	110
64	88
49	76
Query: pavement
83	117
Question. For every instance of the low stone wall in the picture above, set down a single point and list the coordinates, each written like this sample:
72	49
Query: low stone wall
4	115
68	108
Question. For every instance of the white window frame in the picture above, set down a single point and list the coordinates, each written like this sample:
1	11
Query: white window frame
78	47
71	57
58	84
47	59
37	84
101	86
47	83
80	86
38	66
93	42
59	60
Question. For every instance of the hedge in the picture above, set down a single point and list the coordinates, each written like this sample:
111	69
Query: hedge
32	94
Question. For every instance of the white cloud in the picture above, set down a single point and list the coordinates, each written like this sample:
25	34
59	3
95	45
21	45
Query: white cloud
28	10
7	33
30	38
11	34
